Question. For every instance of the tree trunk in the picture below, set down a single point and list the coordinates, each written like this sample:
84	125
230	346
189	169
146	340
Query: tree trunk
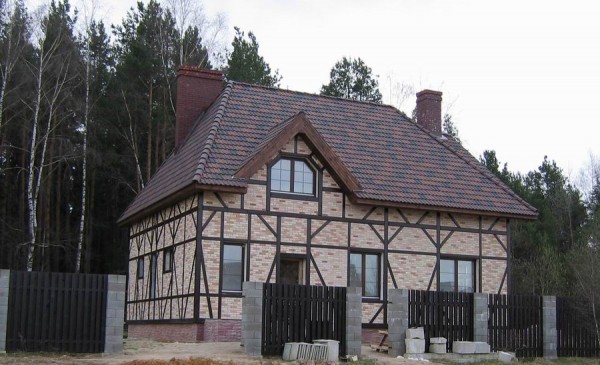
31	198
149	141
86	114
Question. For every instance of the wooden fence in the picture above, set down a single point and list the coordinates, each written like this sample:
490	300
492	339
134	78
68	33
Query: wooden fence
302	313
56	312
576	333
442	314
515	324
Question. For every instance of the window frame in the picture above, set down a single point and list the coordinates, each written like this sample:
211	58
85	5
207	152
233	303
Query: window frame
140	268
222	268
171	252
292	194
363	255
456	260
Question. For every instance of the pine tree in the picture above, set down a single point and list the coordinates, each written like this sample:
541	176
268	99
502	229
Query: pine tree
352	79
246	65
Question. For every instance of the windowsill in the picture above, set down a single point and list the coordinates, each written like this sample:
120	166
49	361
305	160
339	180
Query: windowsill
295	196
231	293
371	300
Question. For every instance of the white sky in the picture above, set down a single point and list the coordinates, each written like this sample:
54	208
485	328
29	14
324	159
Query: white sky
519	77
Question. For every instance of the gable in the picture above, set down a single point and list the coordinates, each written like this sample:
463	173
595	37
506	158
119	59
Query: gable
284	138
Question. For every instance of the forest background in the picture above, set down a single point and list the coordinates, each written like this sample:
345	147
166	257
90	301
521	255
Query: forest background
87	114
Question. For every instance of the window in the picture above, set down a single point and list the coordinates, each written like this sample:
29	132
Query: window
232	264
292	176
457	275
292	270
140	268
168	260
364	272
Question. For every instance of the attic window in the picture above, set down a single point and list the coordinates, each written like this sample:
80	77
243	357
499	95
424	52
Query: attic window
290	175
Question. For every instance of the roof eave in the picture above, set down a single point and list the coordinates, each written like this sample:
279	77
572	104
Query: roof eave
387	203
129	218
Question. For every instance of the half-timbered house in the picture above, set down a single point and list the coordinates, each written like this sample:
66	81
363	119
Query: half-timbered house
273	185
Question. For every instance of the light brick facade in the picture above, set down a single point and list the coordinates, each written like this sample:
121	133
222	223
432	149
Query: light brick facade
321	232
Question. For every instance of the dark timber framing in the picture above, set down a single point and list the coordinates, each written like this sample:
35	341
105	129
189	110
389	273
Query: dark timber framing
201	293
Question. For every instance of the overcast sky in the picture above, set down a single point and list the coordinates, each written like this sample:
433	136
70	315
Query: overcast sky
519	77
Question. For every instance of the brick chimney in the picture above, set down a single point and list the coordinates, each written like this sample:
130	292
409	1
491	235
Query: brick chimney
429	111
197	89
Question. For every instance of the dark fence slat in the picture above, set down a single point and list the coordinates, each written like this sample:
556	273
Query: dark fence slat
515	324
63	312
576	334
442	314
298	313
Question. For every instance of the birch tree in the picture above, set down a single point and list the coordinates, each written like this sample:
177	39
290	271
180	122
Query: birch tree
53	73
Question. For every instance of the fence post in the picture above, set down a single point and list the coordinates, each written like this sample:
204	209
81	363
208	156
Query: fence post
252	317
353	320
549	327
4	289
480	317
115	309
397	320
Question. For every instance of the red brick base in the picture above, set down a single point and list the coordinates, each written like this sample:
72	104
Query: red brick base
371	335
212	330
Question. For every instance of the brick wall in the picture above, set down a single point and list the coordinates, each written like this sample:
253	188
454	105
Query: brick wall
217	330
329	243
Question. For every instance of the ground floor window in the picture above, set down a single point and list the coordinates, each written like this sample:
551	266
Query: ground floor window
292	270
457	275
232	264
365	272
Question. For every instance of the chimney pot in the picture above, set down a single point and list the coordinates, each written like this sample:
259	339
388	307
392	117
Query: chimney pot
429	111
197	89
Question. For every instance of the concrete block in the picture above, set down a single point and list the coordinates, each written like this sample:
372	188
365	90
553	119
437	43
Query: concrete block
506	357
437	348
415	345
482	348
437	340
415	333
463	347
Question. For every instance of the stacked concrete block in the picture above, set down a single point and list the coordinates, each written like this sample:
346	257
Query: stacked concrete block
252	317
415	341
115	314
397	321
353	320
4	286
463	347
482	348
549	327
480	317
437	345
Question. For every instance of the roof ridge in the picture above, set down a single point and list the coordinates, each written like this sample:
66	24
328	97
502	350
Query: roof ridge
212	133
316	95
483	171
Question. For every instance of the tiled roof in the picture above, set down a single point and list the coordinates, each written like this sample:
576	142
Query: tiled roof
394	160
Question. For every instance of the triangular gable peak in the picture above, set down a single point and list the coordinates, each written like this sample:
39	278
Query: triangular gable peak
284	132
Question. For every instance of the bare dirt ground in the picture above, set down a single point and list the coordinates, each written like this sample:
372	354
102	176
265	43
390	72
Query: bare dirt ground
138	349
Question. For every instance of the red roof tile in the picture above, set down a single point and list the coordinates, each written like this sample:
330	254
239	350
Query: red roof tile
393	159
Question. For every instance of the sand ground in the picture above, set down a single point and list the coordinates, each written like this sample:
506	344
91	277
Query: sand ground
140	349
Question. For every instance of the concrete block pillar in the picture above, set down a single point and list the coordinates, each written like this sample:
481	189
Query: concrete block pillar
353	320
4	290
397	317
252	317
549	327
480	317
115	310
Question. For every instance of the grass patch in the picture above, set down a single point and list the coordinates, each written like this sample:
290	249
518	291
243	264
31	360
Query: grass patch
560	361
